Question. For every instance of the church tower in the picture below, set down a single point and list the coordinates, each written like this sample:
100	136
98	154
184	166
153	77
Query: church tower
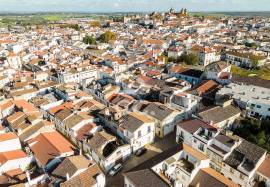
182	11
185	11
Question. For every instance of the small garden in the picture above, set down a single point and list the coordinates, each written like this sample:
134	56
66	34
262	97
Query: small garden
256	131
262	72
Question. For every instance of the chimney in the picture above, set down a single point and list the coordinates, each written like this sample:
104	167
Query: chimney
80	151
28	177
107	112
67	176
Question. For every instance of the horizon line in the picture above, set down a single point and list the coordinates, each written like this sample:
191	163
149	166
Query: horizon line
111	12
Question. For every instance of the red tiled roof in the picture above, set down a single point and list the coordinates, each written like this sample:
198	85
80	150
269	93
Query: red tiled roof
26	106
153	73
153	42
48	145
264	168
7	136
193	125
6	105
84	131
11	155
206	86
150	63
66	105
178	69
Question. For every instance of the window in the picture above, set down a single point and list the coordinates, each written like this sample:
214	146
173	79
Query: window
139	133
181	134
148	129
201	147
164	167
259	106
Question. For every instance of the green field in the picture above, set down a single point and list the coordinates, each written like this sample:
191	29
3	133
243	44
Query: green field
31	19
54	17
263	72
45	18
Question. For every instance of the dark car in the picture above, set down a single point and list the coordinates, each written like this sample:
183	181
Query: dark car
115	169
140	151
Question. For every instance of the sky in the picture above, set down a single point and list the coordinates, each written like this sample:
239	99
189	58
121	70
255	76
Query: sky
131	5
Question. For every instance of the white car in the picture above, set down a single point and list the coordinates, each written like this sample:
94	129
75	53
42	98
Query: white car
115	169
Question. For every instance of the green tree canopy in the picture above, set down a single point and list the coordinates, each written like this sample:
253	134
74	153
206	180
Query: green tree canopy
254	61
107	36
256	131
95	24
190	59
89	40
73	26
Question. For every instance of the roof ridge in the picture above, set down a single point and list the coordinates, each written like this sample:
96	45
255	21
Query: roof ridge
48	140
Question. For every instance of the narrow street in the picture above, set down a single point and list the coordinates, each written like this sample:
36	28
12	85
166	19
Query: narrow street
152	150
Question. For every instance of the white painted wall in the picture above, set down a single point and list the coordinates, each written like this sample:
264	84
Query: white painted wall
10	145
21	163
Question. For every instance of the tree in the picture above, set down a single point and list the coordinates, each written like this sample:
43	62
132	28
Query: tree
107	36
254	61
95	24
89	40
251	45
75	26
255	131
41	63
190	59
157	17
261	139
172	59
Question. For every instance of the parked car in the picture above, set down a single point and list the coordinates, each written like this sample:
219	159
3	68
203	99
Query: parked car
140	151
115	169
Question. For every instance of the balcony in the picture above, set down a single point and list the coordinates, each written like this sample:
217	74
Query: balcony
203	135
185	166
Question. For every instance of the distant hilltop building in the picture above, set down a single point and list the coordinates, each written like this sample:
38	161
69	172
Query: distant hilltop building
172	14
183	11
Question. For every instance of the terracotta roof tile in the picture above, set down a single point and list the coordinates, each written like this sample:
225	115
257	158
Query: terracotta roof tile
264	168
48	145
11	155
211	178
84	179
8	136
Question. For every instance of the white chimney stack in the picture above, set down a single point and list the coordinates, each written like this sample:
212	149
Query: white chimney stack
28	177
67	176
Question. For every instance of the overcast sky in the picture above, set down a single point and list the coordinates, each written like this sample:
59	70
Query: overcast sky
132	5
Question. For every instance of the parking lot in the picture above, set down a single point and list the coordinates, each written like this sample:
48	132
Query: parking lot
152	150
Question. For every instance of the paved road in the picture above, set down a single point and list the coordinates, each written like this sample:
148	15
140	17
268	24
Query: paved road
152	150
